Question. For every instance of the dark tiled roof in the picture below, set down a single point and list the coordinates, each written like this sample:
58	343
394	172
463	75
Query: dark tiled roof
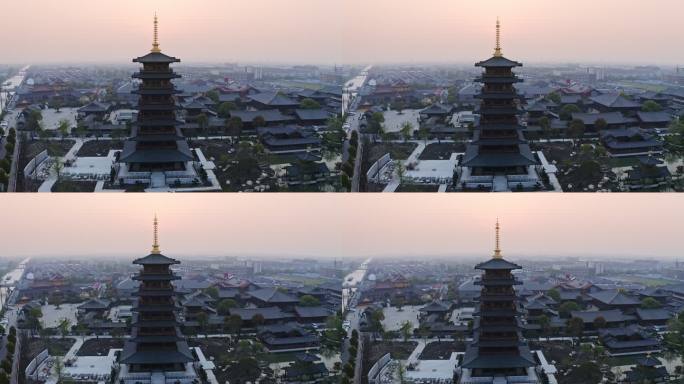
156	259
653	314
311	311
269	313
275	99
312	114
269	115
498	62
654	117
614	101
614	297
611	316
272	295
611	118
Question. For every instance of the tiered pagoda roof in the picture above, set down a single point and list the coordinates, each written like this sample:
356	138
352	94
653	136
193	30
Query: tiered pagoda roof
498	348
156	140
156	342
498	143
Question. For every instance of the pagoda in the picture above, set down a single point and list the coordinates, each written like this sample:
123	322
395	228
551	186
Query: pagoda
498	353
156	153
498	157
156	351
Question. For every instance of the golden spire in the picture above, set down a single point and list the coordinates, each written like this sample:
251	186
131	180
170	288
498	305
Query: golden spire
497	250
155	245
155	42
497	50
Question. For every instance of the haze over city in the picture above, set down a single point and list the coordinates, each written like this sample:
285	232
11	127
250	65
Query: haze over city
206	225
350	31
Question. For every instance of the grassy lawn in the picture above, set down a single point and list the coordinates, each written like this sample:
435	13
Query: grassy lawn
441	151
417	188
98	148
616	162
74	186
397	151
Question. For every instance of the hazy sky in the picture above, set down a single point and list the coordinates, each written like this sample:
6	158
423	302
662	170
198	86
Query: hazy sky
337	31
336	225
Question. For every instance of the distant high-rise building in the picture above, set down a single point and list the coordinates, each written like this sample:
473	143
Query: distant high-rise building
156	351
156	153
498	157
498	350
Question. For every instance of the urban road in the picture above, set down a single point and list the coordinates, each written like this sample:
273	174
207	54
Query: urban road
352	91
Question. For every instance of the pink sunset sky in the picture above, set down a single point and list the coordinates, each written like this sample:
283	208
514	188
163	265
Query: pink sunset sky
336	225
344	31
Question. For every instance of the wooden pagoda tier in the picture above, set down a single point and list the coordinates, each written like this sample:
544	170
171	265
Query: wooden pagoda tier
498	145
498	347
156	142
156	342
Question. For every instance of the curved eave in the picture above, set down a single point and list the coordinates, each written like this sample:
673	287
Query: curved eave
145	308
155	277
157	92
158	108
500	111
143	75
498	96
498	282
153	122
499	79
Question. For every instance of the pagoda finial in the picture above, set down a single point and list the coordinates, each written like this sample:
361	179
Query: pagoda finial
497	50
155	42
497	249
155	245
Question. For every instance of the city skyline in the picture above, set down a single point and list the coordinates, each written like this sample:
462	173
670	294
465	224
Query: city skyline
330	32
202	225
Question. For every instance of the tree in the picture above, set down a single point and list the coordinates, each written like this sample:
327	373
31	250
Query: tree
234	125
576	129
224	306
203	123
600	322
233	324
213	292
406	329
309	301
600	124
258	121
246	369
568	307
64	128
545	125
424	134
5	165
64	327
225	108
576	327
377	317
258	319
651	106
4	378
203	320
650	303
554	96
545	324
406	130
213	95
59	368
401	171
4	178
309	104
567	111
